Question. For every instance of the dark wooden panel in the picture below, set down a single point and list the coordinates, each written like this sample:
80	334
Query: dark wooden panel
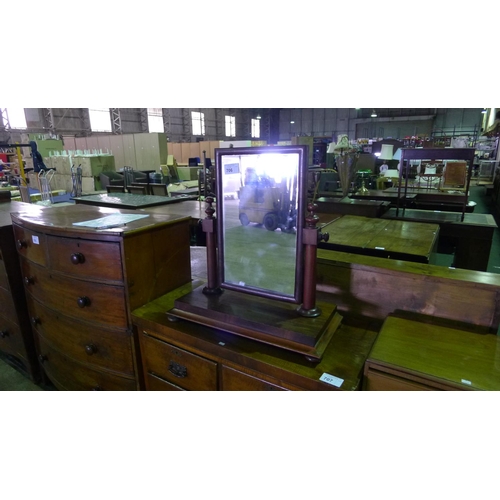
106	303
234	380
164	264
86	259
88	344
31	244
456	358
11	340
178	366
155	383
376	381
65	374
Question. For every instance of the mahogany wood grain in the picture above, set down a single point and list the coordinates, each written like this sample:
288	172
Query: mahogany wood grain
11	339
16	338
178	366
95	259
31	244
155	383
374	288
105	304
66	374
344	357
112	349
436	354
235	380
157	262
395	239
81	291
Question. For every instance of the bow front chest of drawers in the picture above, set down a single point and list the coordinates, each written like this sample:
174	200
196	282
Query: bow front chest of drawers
16	339
81	284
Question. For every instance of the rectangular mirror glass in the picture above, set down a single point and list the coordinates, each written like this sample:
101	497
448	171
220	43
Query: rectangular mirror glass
259	202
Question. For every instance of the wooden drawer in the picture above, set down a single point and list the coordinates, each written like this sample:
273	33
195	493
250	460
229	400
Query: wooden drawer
86	258
91	301
68	375
10	337
4	279
177	366
31	245
7	307
379	381
102	348
234	380
155	383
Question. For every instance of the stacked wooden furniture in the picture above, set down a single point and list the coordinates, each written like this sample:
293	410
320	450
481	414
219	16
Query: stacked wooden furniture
81	284
181	355
16	340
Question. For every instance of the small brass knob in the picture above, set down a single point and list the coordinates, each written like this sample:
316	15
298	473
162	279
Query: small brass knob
4	333
21	244
35	320
29	280
42	358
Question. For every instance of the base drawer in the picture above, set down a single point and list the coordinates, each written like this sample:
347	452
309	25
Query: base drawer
68	375
7	307
378	381
234	380
177	366
85	342
4	279
11	340
155	383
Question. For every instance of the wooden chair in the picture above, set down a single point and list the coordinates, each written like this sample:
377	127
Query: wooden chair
115	189
137	189
158	189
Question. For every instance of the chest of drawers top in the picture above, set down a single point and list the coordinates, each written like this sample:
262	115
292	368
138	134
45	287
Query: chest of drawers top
60	221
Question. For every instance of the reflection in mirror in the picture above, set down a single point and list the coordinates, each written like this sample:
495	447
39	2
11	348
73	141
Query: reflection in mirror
259	231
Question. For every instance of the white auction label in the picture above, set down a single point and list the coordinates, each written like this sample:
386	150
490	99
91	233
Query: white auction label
331	379
467	382
35	240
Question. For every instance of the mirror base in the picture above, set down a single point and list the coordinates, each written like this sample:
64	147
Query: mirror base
261	319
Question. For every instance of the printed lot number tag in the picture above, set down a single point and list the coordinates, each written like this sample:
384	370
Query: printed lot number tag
331	379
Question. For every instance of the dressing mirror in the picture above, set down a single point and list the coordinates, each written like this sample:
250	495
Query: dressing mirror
260	199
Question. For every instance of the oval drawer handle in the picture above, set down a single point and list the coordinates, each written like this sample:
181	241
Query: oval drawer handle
42	358
90	349
29	280
35	320
21	244
77	258
177	369
83	302
4	333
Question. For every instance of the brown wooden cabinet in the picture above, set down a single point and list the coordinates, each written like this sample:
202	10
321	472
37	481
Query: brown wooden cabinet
81	284
16	339
181	355
411	355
